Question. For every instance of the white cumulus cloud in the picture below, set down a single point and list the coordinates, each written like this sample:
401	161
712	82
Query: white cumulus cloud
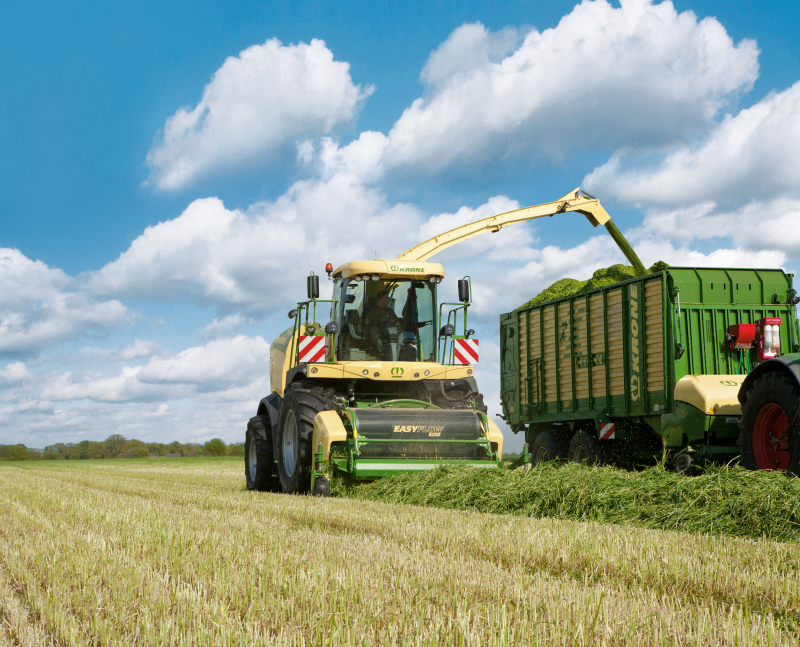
255	104
13	373
639	74
220	366
41	306
741	182
753	155
254	260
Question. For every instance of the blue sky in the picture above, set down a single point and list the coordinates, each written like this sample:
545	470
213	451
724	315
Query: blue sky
398	118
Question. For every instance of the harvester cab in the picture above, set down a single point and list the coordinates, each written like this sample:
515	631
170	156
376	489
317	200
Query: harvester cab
387	385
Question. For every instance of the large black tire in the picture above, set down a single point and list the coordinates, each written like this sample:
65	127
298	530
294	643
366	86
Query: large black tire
769	429
301	403
585	448
548	447
259	463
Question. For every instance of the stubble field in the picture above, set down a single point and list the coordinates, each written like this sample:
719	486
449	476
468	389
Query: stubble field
177	552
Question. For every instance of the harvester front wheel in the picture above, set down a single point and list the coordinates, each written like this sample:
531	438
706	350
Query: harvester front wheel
769	430
547	447
301	403
259	464
585	448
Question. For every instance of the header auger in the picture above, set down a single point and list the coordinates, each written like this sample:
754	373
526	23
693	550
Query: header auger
387	385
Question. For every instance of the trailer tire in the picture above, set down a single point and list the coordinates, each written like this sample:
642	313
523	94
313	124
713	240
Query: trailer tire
259	464
585	448
547	447
770	413
301	403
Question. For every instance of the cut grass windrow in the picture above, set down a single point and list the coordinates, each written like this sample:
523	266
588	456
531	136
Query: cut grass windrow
159	552
722	501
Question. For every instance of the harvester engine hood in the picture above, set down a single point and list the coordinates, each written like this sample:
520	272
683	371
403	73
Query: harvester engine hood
390	268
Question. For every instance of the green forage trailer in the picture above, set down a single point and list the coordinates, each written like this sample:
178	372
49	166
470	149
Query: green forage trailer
620	373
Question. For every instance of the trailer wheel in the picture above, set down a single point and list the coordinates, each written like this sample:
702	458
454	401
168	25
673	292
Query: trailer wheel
686	464
547	447
585	448
259	464
301	403
769	430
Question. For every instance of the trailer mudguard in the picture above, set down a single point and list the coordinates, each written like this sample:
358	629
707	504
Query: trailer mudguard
712	394
271	406
789	363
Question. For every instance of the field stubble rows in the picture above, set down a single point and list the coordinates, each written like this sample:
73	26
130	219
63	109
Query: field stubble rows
176	552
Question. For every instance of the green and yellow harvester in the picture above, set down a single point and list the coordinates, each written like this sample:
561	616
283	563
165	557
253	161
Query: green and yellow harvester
387	385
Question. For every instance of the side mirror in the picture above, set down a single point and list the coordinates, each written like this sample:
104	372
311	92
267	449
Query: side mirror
292	314
313	286
463	290
331	328
448	330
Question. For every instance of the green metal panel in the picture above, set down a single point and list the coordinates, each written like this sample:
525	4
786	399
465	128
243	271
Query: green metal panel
699	304
704	302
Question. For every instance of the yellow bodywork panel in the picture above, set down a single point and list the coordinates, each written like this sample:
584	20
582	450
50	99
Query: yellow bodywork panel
712	394
281	358
328	428
389	371
495	436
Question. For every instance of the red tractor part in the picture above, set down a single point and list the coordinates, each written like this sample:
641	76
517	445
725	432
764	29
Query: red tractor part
771	435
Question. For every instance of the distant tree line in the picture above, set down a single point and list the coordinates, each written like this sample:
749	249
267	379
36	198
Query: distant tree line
117	446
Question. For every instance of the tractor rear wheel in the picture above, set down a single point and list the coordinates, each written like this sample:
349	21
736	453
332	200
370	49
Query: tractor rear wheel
769	430
547	447
301	403
259	464
585	448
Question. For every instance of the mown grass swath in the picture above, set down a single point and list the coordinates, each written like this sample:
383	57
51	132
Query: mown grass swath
176	552
723	500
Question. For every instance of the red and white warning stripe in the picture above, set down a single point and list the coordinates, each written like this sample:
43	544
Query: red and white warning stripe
466	351
312	349
607	430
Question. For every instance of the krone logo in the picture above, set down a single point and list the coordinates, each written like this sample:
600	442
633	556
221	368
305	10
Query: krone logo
397	371
634	301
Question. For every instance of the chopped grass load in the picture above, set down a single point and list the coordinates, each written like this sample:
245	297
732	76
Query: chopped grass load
721	501
572	287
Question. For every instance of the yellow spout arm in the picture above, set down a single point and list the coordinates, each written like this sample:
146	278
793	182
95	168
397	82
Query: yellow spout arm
575	200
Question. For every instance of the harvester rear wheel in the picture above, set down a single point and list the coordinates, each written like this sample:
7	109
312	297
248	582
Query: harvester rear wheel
585	448
259	464
301	403
769	430
548	447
